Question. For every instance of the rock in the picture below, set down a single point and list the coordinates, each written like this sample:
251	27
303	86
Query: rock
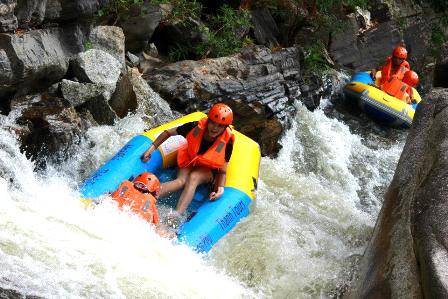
257	77
8	21
134	60
441	68
139	25
51	126
170	37
264	27
34	60
78	93
251	119
102	113
417	38
97	66
358	50
109	39
407	256
124	100
32	13
133	91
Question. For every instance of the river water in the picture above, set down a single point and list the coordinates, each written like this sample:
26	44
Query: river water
315	210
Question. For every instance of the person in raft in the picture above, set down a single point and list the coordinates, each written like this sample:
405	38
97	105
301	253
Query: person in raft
394	68
140	196
411	79
202	160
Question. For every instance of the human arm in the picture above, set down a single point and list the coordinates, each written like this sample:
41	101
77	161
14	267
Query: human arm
220	180
159	140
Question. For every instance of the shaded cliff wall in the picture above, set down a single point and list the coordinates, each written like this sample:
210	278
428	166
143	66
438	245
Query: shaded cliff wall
408	254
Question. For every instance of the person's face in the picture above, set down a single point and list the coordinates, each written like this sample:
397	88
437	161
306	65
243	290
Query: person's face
396	60
214	129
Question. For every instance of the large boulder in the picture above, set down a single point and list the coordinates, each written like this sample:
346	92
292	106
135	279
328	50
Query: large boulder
50	126
34	60
97	66
360	48
139	24
255	77
133	93
109	39
407	256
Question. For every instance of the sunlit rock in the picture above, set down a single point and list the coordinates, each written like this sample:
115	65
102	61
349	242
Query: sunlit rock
110	39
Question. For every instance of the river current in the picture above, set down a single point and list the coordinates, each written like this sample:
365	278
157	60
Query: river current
316	206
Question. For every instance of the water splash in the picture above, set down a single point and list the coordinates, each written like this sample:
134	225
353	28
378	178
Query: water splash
316	207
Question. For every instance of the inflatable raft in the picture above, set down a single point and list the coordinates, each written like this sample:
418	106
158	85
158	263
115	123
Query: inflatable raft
378	105
209	220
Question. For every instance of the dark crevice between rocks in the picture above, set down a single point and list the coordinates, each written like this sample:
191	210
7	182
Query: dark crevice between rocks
5	106
12	294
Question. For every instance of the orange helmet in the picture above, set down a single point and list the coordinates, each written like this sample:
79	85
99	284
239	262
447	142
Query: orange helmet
147	183
221	113
410	78
400	52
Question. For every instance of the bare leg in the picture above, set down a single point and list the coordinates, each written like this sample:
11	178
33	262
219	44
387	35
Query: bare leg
177	184
197	176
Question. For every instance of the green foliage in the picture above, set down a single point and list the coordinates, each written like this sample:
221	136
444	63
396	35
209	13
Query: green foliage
315	59
226	35
438	37
179	53
180	12
118	6
88	45
184	9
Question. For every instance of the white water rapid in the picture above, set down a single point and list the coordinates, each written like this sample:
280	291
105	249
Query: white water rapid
315	209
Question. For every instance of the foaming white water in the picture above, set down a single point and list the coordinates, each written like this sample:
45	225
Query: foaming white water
52	247
316	206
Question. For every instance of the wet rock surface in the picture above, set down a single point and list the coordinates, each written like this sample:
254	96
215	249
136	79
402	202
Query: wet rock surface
49	126
407	256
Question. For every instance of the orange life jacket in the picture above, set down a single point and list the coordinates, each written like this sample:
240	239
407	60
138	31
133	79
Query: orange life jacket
399	71
142	204
213	158
396	88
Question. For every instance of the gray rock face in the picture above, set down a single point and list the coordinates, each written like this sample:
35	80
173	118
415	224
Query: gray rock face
36	59
51	126
8	21
132	92
110	39
79	93
441	69
96	66
369	49
36	12
265	29
408	254
254	77
139	26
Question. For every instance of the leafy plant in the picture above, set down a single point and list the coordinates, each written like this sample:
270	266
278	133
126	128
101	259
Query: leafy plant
438	38
88	45
179	53
315	59
184	9
116	7
221	40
